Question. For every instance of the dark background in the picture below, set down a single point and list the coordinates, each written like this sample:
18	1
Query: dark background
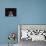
7	10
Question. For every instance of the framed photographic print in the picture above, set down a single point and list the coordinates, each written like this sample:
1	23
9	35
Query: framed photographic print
10	12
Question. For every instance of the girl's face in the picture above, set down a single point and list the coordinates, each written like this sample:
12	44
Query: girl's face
10	13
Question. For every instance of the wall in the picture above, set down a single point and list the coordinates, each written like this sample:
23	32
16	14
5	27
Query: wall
28	12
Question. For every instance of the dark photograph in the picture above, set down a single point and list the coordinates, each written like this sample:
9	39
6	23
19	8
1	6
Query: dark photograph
10	11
